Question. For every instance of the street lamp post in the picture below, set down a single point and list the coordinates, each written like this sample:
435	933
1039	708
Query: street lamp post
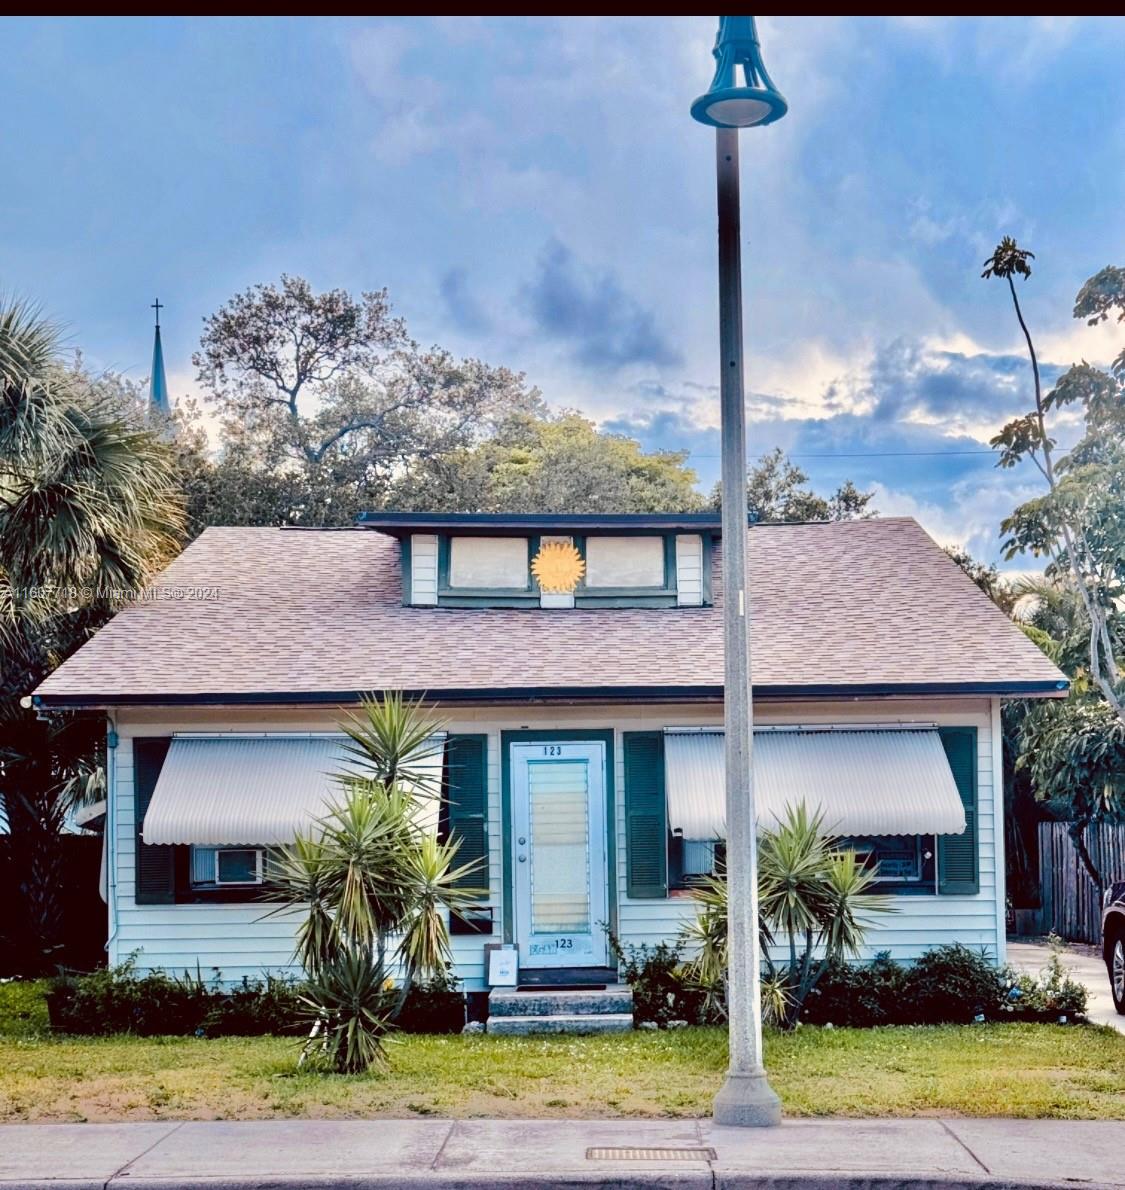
746	1098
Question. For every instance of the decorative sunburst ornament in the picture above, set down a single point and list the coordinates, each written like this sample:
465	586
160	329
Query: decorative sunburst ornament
558	567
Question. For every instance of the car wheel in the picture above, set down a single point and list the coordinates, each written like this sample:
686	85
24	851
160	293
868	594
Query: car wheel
1116	965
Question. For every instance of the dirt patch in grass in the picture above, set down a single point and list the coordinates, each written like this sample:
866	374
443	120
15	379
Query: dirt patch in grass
994	1070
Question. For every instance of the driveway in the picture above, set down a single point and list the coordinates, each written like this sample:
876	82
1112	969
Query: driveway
1084	964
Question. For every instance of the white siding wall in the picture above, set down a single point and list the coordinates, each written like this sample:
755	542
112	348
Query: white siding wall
235	940
423	568
689	570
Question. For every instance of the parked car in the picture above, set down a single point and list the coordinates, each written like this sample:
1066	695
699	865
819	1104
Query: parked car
1113	941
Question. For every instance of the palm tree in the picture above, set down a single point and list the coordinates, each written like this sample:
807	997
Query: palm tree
89	509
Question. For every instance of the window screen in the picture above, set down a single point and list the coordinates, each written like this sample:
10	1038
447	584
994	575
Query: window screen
625	562
212	866
896	858
488	563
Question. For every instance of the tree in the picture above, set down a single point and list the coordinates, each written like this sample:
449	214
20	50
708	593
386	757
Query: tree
88	511
325	398
1072	752
775	492
368	875
549	463
1069	755
986	576
1079	523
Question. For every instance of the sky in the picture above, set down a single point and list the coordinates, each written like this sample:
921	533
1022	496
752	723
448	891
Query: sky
533	192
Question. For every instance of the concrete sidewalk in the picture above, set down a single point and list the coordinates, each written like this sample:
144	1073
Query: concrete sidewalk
474	1154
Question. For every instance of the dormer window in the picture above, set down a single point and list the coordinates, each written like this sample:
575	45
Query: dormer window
553	562
489	563
626	563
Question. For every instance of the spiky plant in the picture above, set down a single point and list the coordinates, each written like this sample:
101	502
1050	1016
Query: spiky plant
348	1007
369	876
438	882
813	895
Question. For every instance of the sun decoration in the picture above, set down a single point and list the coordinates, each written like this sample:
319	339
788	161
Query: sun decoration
558	567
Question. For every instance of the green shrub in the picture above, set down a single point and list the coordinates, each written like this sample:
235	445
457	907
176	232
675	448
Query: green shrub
661	991
118	1000
1046	998
949	984
253	1009
953	984
861	994
435	1005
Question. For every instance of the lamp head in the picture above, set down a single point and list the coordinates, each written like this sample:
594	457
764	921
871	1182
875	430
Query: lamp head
728	105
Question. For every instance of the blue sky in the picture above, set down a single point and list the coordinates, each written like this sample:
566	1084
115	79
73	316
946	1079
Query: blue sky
533	192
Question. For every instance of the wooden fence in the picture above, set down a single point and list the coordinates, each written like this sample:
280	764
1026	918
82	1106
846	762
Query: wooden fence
1068	896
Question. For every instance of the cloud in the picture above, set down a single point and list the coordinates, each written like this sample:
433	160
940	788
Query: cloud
910	379
414	111
948	481
591	315
462	304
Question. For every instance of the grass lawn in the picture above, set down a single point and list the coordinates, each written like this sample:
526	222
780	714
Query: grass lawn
1010	1070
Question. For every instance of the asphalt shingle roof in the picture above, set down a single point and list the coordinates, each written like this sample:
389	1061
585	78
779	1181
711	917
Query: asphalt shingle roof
289	615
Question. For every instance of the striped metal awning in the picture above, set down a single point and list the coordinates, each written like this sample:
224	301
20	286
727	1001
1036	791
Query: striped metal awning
219	791
865	782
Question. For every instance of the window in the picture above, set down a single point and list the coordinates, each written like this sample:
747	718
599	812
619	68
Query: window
220	867
896	859
488	563
691	861
625	562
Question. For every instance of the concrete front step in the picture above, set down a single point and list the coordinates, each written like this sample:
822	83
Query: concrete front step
543	1002
523	1026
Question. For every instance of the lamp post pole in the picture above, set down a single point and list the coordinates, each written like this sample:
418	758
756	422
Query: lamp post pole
745	1098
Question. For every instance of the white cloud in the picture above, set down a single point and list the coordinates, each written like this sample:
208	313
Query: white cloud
968	515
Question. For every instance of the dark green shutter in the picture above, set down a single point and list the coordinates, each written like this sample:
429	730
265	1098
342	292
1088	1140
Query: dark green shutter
958	855
156	866
646	815
466	776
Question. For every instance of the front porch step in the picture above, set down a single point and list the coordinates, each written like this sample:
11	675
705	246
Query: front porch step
541	1002
524	1026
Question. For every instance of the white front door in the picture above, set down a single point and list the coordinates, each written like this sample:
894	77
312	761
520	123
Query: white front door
559	854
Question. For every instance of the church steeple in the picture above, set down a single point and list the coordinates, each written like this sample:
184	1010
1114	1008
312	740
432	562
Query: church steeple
158	382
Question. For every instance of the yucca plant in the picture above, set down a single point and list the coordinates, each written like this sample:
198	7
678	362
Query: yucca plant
706	937
349	1007
374	886
813	896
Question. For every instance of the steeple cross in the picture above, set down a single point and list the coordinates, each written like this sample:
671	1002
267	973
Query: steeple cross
157	306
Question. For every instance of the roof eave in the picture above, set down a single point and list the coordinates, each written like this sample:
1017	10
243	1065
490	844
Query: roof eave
561	694
401	524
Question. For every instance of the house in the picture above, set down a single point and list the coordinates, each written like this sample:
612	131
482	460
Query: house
577	662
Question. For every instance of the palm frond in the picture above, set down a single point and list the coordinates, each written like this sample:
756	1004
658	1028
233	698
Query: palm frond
394	740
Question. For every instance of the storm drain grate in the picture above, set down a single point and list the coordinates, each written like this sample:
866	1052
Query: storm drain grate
614	1154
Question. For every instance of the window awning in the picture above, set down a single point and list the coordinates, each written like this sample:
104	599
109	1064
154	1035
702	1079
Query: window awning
866	782
241	791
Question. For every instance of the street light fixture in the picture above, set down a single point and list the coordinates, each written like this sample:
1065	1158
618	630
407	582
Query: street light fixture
745	1098
726	104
